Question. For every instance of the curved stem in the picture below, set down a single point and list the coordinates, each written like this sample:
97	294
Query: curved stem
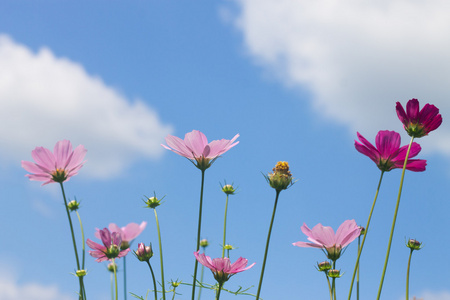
365	236
224	228
329	286
394	220
81	297
154	281
160	256
198	233
407	275
267	245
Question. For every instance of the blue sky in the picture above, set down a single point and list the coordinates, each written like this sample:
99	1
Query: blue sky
295	80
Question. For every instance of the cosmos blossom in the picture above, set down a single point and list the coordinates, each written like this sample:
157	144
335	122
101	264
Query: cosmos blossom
110	248
58	166
222	268
196	148
323	237
388	154
418	123
128	233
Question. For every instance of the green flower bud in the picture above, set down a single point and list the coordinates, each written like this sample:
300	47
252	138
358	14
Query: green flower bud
334	273
414	245
324	266
73	205
80	273
204	243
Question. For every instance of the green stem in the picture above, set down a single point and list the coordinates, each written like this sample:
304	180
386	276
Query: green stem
81	297
267	245
394	220
154	281
125	277
365	236
160	256
218	291
329	286
407	275
198	233
112	287
334	283
225	228
115	279
201	279
357	275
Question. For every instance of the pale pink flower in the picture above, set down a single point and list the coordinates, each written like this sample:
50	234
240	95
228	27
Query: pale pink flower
388	154
418	123
128	233
196	148
58	166
222	268
323	237
110	248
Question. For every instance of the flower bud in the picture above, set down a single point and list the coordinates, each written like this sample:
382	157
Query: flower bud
175	283
144	253
323	266
281	178
334	252
414	245
73	205
153	202
204	243
228	189
228	247
80	273
111	266
363	231
334	273
112	251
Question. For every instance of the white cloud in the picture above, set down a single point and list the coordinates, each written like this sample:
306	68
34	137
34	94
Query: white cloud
44	98
356	58
10	289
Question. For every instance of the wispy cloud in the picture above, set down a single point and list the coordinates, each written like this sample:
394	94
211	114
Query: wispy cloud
355	58
44	98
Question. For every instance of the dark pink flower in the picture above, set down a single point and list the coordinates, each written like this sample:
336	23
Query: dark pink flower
144	253
110	248
323	237
222	268
196	148
58	166
128	233
418	123
388	154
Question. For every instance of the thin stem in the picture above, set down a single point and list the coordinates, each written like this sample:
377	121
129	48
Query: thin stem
201	279
218	291
160	255
115	278
407	275
225	228
365	235
394	220
112	286
329	286
334	279
357	275
267	245
81	297
198	233
154	281
84	242
125	277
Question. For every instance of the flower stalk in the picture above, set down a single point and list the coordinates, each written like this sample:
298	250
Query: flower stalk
198	233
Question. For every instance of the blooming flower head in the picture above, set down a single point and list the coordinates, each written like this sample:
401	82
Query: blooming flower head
388	154
323	237
144	253
58	166
280	178
222	268
110	248
128	233
196	148
418	123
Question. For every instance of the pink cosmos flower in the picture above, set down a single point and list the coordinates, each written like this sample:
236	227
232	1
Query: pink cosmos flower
128	233
58	166
222	267
110	248
418	123
196	148
323	237
388	154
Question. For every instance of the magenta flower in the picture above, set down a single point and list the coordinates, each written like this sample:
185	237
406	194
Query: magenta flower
110	248
221	267
388	154
323	237
196	148
128	233
418	123
144	253
58	166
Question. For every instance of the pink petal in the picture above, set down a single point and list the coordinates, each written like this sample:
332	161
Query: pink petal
324	235
412	110
178	146
307	245
44	158
401	113
95	246
196	141
132	230
347	232
387	142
